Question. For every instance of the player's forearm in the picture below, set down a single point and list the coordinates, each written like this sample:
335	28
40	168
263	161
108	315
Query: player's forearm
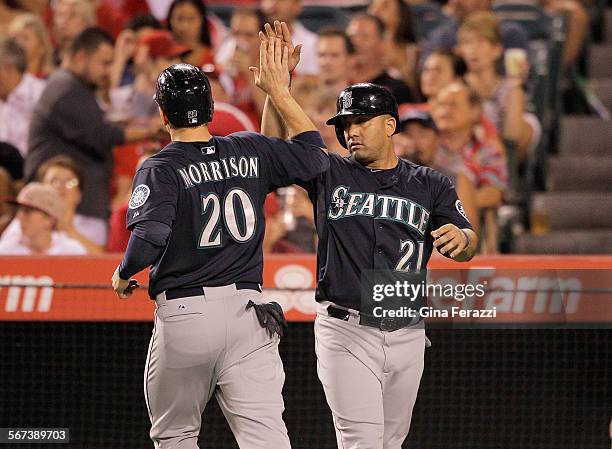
295	119
139	255
470	249
271	123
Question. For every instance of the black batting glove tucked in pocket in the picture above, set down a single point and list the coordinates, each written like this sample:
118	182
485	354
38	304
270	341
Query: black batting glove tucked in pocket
270	316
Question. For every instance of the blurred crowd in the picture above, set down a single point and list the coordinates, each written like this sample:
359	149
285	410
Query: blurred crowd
77	114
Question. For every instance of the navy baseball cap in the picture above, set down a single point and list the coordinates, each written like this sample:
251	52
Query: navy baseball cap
422	117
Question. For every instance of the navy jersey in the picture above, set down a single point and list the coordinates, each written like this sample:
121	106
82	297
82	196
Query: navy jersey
376	219
211	195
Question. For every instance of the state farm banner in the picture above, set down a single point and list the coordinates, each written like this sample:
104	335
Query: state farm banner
530	290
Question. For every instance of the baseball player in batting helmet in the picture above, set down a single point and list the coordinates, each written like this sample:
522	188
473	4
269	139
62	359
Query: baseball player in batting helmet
196	216
374	212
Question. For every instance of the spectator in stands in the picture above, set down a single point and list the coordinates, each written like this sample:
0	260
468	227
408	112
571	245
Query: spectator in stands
62	173
445	36
68	120
577	26
422	146
123	71
335	58
455	110
401	49
19	93
239	52
367	35
155	51
227	118
440	69
7	13
503	98
288	11
320	109
30	33
39	211
70	18
188	22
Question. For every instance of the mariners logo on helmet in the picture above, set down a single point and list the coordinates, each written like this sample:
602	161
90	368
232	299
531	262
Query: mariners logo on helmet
347	100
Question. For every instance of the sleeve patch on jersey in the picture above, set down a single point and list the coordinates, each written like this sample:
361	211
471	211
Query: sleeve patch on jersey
459	207
139	196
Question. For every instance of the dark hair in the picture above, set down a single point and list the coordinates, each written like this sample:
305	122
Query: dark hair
251	11
11	160
201	7
64	162
333	31
457	63
380	25
405	31
144	21
12	53
90	39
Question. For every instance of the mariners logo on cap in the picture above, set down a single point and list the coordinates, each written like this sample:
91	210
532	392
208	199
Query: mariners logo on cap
347	100
139	196
459	208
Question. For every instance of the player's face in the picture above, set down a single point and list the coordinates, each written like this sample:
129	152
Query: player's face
437	73
368	138
333	58
99	65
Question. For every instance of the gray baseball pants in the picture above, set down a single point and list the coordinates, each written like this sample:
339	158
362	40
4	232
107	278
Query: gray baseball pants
370	378
210	344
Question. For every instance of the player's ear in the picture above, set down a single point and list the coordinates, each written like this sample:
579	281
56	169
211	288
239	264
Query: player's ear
390	125
163	117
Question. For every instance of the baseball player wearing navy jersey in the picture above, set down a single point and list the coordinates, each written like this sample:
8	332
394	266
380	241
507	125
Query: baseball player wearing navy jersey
196	216
373	211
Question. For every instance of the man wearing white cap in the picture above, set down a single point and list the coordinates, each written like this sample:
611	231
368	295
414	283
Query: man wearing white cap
39	209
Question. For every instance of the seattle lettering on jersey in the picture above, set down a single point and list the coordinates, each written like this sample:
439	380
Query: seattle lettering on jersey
385	207
224	168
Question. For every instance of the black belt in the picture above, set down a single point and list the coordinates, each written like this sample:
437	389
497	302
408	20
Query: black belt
384	324
180	292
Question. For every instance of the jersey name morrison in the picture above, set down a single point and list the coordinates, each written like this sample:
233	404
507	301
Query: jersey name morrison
386	207
224	168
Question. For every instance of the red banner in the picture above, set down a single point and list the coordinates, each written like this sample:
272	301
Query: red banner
78	288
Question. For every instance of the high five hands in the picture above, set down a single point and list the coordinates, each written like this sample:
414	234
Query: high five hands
277	58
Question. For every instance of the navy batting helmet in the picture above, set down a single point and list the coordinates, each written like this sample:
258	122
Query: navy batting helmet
363	99
183	93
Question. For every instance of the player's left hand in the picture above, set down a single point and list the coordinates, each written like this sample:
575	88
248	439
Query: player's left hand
281	31
123	288
449	239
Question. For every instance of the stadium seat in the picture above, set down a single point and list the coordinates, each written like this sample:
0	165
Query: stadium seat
427	16
316	17
566	242
585	135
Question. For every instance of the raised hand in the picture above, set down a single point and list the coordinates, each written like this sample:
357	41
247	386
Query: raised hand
281	31
272	76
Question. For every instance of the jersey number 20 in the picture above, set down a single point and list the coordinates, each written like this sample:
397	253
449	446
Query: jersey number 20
211	234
